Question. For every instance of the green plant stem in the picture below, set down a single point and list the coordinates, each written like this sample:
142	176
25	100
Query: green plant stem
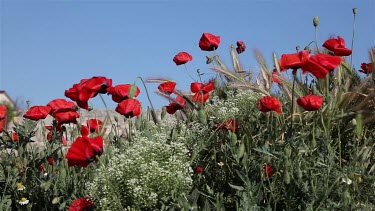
316	39
188	73
106	108
153	114
351	55
292	109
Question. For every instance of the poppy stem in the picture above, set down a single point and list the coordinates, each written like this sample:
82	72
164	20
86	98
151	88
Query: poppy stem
153	114
106	108
351	55
316	39
188	73
292	110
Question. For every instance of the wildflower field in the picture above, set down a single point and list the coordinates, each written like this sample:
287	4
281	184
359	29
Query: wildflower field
297	134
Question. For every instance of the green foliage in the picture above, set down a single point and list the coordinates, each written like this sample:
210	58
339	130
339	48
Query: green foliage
46	186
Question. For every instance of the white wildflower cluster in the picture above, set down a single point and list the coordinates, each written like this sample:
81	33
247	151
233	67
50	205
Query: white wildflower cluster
235	106
151	168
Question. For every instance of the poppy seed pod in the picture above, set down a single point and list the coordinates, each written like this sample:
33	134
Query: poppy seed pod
16	121
132	91
163	113
316	21
355	10
202	116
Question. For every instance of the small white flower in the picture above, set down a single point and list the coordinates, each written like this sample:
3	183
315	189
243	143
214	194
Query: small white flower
20	187
220	164
347	181
23	201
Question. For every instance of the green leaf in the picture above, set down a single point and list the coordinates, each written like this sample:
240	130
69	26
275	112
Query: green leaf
46	185
236	187
264	152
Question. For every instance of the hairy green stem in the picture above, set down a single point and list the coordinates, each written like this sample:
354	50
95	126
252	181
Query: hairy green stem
153	114
106	108
316	39
351	56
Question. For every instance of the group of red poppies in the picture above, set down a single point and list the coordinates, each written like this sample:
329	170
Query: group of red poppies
3	115
319	65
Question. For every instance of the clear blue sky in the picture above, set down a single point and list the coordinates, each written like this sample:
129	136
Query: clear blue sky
47	46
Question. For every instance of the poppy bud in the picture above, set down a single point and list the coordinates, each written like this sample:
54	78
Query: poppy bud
287	177
199	170
241	150
56	200
288	151
316	21
163	112
154	117
132	91
202	116
233	137
138	122
355	10
16	122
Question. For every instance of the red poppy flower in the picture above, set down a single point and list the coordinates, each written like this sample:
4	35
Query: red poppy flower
84	150
14	136
241	47
94	125
51	161
200	97
182	58
3	112
229	124
85	131
201	91
120	92
2	123
274	77
337	46
366	68
57	104
88	88
41	168
51	128
174	106
209	42
310	102
37	112
269	103
129	108
268	171
80	204
199	170
321	64
63	139
66	115
294	60
167	87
